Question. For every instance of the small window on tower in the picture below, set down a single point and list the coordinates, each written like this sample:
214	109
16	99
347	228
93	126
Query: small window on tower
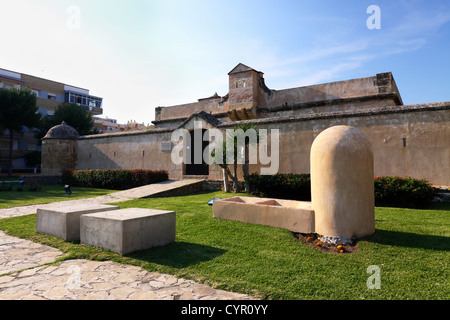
243	84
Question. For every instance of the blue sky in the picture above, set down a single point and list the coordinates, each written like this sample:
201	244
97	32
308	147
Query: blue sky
140	54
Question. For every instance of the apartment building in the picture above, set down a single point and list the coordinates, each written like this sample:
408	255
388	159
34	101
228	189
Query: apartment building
104	125
50	94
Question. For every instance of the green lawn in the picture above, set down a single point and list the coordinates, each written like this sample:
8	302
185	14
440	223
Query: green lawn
47	194
410	247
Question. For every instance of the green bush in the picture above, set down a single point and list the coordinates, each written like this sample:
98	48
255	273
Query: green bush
389	191
402	192
6	186
281	186
116	179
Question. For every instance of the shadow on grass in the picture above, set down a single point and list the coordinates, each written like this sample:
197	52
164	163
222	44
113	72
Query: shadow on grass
438	206
409	240
431	206
178	254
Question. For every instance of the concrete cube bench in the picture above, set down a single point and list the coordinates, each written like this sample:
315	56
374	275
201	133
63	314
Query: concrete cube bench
63	221
128	230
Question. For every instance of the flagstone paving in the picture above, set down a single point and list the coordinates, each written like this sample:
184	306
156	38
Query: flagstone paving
103	280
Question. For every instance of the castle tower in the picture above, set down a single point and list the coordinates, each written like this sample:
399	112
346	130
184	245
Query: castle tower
243	92
59	150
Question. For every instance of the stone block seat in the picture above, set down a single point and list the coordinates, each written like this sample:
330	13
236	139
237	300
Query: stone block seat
63	220
128	230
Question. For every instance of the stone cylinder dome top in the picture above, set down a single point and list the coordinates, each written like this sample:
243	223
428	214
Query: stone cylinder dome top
342	187
62	131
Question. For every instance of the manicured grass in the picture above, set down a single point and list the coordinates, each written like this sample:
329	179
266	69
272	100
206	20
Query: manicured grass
410	247
47	194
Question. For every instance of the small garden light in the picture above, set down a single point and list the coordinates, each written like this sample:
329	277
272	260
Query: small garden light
210	202
67	189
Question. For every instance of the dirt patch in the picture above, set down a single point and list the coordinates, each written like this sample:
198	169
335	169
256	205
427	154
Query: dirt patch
312	240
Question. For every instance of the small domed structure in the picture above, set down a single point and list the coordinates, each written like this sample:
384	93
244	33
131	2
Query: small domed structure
62	131
59	150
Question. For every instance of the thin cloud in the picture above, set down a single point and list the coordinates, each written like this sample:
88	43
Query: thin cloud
419	22
327	63
329	73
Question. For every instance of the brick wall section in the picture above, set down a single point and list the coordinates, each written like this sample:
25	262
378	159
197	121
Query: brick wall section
43	84
243	89
50	105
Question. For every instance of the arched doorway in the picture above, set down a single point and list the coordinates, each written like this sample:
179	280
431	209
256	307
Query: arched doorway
196	165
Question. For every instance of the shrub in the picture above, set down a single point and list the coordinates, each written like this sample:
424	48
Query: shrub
389	191
281	186
402	192
35	187
116	179
5	186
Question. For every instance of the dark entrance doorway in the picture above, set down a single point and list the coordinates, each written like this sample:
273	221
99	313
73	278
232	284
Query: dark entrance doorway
197	165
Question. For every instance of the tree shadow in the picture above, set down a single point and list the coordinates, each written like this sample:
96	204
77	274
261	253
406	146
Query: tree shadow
438	206
178	254
431	206
409	240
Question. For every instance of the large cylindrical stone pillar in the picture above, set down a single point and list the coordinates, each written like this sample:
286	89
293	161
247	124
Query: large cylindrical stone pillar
342	185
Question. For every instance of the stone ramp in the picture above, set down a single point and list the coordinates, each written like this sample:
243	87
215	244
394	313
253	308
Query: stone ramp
159	189
162	189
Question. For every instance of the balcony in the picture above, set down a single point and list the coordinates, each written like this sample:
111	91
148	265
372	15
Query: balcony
90	103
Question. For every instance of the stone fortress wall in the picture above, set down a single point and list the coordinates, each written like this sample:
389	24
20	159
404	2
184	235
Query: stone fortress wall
407	140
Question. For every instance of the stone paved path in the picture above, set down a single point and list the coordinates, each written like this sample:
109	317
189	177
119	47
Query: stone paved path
17	254
26	275
93	280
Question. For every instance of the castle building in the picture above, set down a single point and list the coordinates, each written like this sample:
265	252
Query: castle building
49	95
249	98
408	140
